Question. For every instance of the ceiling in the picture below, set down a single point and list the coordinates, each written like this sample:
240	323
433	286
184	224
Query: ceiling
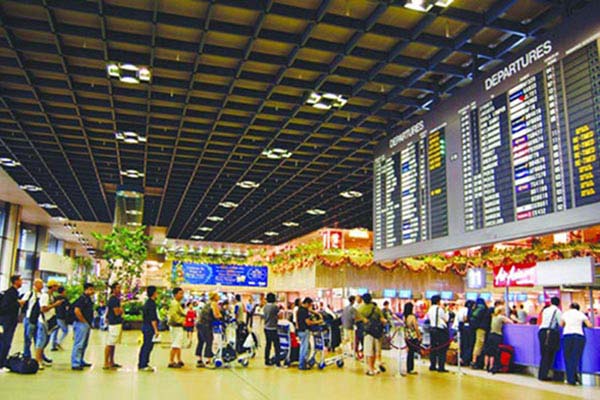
230	79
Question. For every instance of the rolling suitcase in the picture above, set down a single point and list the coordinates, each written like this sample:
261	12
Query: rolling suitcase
506	355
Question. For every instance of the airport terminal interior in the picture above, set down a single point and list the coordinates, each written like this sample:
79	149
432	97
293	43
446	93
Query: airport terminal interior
292	199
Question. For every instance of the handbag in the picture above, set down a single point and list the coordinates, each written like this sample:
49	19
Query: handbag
552	335
52	324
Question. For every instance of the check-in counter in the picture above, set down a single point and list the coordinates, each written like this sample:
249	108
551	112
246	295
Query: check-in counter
524	338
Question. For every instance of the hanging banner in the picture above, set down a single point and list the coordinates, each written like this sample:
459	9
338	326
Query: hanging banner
221	274
515	275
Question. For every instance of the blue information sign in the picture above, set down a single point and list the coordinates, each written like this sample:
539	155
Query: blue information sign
226	275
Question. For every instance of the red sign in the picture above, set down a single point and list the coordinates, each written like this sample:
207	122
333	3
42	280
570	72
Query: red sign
333	240
515	275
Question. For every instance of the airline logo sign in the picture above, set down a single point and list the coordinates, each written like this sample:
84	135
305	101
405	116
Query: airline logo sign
515	275
333	240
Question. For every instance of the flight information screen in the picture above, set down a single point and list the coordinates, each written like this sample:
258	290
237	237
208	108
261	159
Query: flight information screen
516	153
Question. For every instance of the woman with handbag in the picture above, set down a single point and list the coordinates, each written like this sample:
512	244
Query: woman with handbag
412	334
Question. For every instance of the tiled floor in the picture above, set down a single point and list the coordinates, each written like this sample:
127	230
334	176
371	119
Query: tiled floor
260	382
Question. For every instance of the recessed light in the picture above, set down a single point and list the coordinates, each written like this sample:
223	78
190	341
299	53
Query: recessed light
256	241
133	212
228	204
197	237
59	219
248	184
276	153
271	233
48	206
215	218
326	101
30	188
132	173
291	224
130	137
205	229
351	194
134	223
316	211
9	162
426	5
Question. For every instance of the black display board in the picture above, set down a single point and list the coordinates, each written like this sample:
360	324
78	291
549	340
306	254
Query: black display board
515	153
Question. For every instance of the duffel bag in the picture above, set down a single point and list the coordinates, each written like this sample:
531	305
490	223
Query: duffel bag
22	365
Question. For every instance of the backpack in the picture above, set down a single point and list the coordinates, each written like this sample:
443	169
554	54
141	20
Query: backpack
374	327
3	308
34	315
22	365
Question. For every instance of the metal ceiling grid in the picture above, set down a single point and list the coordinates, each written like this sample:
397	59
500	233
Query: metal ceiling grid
230	79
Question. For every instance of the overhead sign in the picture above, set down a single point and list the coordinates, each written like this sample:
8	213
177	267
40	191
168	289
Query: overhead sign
572	271
515	275
333	239
223	274
476	278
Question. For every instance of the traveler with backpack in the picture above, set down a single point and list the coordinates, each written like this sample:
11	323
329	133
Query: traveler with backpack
149	329
9	316
32	314
114	318
549	337
440	336
83	316
373	320
210	313
46	321
62	328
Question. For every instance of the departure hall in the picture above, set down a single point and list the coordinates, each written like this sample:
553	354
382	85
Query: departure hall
292	199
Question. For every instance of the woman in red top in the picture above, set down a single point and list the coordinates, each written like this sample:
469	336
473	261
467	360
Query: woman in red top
190	321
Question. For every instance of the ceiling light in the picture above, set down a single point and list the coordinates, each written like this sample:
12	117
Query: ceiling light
271	233
132	173
326	101
197	237
276	153
133	212
59	219
248	184
30	188
128	73
228	204
215	218
9	162
48	206
351	194
130	137
205	229
316	211
256	241
291	224
426	5
134	223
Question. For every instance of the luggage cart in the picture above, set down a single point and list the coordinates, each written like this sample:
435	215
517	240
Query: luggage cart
225	336
323	344
288	344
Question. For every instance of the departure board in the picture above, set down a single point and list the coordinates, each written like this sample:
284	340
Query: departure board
516	153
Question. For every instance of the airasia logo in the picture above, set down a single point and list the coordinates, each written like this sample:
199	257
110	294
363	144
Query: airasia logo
518	275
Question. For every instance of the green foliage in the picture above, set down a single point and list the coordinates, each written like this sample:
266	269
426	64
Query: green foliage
73	292
133	318
133	308
125	250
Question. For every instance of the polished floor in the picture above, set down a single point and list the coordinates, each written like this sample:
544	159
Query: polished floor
260	382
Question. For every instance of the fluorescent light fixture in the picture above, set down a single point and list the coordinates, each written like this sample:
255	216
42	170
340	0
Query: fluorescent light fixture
359	233
9	162
205	229
48	206
256	241
128	73
271	233
134	223
132	173
247	184
291	224
276	153
30	188
133	212
228	204
215	218
59	219
130	137
197	237
316	211
326	101
130	79
426	5
351	194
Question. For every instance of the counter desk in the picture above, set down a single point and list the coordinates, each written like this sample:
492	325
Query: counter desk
524	338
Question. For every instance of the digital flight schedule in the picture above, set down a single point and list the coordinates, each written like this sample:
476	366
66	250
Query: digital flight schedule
514	154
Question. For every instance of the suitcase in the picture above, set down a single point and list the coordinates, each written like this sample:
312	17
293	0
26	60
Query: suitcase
506	355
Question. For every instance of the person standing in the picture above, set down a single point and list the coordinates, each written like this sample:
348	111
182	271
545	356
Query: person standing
373	323
62	328
304	321
114	318
270	315
31	316
176	317
478	321
463	325
188	325
9	317
240	323
573	321
492	344
149	329
413	337
348	323
47	306
83	309
549	337
522	314
440	336
209	314
250	313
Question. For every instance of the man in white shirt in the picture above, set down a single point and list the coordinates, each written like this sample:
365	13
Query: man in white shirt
33	306
47	312
549	337
440	336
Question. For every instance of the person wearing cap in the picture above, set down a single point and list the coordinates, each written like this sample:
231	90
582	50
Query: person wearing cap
9	316
47	313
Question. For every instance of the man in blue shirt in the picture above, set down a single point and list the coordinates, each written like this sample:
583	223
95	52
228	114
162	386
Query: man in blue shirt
83	309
